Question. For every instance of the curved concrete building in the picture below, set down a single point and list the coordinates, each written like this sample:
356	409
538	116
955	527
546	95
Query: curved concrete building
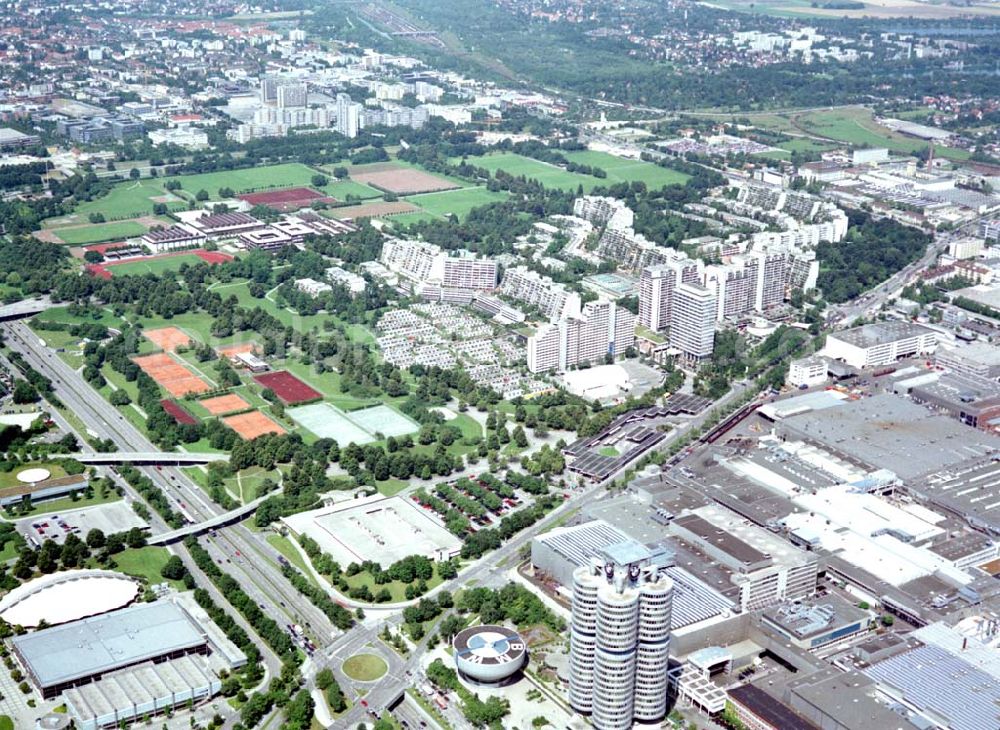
620	638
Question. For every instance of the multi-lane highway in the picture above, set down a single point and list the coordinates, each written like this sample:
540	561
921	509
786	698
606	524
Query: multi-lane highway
252	557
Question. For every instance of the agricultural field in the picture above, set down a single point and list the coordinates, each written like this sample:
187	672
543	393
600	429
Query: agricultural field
621	170
287	175
100	232
455	202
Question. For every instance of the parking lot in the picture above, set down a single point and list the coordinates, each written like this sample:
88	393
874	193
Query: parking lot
109	518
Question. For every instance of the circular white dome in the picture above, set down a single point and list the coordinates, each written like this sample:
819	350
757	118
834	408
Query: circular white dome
67	596
489	653
33	475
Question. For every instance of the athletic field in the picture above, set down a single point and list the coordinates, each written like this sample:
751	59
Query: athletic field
457	202
288	175
100	232
621	169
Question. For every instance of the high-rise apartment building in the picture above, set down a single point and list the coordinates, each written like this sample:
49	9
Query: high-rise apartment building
603	328
292	95
692	321
656	290
421	264
554	300
620	637
349	114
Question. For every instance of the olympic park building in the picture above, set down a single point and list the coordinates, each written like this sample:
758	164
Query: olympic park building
489	654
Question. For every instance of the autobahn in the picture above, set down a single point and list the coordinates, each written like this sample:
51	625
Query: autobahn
262	578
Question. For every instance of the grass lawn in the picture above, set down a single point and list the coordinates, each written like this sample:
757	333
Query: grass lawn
6	723
365	667
856	126
608	451
62	314
548	175
101	232
390	487
284	546
341	189
128	199
289	318
67	503
458	202
146	562
620	169
287	175
396	589
406	219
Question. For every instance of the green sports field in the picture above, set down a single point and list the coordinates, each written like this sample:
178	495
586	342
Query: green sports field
101	232
548	175
341	189
288	175
620	169
457	202
128	199
154	266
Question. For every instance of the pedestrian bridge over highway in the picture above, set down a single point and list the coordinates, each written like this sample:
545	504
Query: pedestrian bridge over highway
198	528
161	458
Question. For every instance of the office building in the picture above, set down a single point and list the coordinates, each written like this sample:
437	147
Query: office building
966	247
620	637
692	321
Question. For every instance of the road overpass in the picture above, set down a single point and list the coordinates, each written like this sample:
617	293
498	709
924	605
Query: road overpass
161	458
198	528
25	308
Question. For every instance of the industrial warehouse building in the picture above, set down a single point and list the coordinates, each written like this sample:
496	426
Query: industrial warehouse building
132	663
881	343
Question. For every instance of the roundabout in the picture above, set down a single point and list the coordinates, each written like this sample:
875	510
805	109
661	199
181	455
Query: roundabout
364	667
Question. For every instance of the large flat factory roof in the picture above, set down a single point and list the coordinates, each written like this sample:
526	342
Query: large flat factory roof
971	490
889	432
104	643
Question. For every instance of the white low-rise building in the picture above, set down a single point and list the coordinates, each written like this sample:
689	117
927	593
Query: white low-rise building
354	283
807	371
880	343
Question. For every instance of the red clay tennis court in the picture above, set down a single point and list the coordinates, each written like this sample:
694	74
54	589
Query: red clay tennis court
251	425
233	350
224	404
167	339
171	375
180	415
287	387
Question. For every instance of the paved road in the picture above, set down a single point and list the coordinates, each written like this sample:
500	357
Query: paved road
102	419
